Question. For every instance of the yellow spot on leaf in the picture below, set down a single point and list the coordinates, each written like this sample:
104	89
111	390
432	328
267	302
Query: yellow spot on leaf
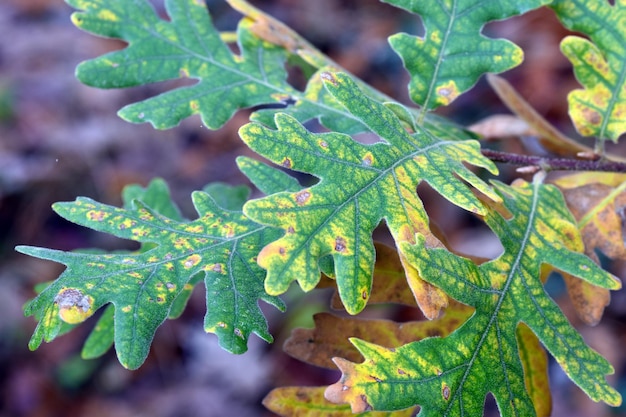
145	215
182	243
108	15
127	309
447	93
126	224
97	215
368	160
192	261
197	228
286	162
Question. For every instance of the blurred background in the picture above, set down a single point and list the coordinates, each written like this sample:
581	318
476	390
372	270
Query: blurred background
60	139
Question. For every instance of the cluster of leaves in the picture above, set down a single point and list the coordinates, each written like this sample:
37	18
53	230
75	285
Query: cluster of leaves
490	337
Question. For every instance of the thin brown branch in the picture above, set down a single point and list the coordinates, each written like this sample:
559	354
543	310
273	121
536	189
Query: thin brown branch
555	164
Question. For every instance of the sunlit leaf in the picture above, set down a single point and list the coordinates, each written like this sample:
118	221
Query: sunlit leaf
599	64
451	376
360	186
453	53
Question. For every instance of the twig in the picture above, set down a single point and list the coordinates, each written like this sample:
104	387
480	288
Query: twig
554	164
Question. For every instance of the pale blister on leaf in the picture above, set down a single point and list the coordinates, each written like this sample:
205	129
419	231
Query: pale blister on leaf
452	55
360	186
452	375
599	65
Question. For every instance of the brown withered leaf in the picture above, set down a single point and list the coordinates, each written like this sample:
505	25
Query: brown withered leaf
310	402
500	126
549	137
595	200
274	31
329	337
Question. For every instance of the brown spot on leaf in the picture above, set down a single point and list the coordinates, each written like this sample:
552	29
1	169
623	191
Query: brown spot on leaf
401	371
281	250
340	244
433	333
592	116
286	163
96	215
445	392
327	76
364	406
302	197
291	230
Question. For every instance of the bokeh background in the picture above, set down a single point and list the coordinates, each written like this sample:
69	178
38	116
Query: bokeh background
60	139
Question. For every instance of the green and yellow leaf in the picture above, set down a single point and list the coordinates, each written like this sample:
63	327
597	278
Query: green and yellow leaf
147	286
599	65
451	376
453	53
310	402
360	186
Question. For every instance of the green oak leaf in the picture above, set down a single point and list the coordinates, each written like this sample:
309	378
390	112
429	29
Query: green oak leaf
599	64
360	186
156	196
188	47
266	178
453	53
145	287
451	376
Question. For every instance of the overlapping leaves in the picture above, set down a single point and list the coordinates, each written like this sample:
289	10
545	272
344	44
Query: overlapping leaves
450	376
599	64
453	53
360	185
146	286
